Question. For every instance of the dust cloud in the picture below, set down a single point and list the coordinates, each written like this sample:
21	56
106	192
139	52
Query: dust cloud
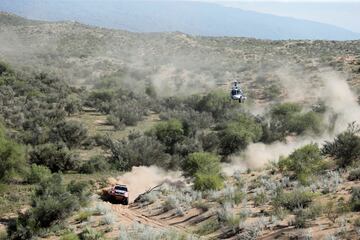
142	178
342	109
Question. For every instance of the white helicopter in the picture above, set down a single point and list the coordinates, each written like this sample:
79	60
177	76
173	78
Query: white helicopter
236	93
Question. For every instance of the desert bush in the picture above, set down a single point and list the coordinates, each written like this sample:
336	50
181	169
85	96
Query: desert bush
84	216
91	234
69	236
207	227
191	120
81	190
169	133
37	174
227	216
210	142
304	162
5	68
145	232
205	169
304	215
51	204
143	150
288	118
95	164
54	156
252	230
72	105
354	174
346	146
232	194
200	162
215	103
331	211
260	197
12	158
236	135
355	199
207	181
298	198
102	209
126	113
186	147
108	219
330	182
72	133
96	99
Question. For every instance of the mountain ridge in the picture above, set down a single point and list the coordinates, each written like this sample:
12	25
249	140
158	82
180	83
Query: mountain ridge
195	18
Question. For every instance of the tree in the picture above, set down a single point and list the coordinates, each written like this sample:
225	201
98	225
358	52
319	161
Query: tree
12	158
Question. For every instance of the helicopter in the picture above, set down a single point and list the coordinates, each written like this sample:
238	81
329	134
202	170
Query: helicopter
236	93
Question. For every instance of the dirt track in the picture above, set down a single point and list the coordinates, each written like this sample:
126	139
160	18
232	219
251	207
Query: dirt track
129	214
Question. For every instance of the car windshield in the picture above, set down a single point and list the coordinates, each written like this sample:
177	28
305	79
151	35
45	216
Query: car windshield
121	188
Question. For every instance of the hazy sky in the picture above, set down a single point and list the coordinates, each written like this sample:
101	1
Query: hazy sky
344	14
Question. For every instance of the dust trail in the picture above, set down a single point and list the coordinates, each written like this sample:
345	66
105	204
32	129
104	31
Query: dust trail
342	109
142	178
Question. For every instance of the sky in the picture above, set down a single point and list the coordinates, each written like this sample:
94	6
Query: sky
345	14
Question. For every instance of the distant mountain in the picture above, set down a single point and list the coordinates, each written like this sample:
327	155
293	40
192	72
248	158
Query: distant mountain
197	18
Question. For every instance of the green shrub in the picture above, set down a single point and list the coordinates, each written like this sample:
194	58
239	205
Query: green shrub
288	118
138	151
83	216
205	169
69	236
12	158
169	133
216	103
72	105
191	120
51	204
127	113
95	164
91	234
355	199
201	162
210	142
207	227
291	200
55	157
236	135
346	146
207	181
72	133
5	68
354	174
97	99
80	189
260	198
38	174
304	162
